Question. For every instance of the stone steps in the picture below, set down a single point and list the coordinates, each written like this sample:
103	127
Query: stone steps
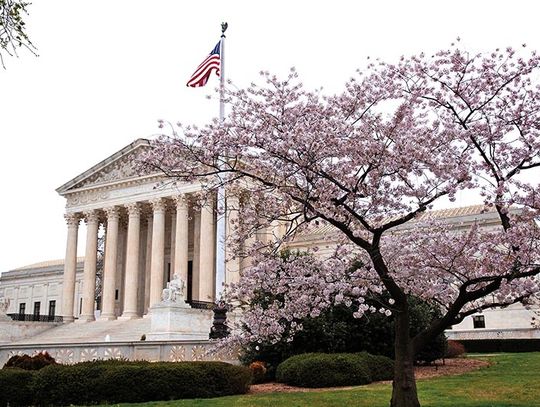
95	331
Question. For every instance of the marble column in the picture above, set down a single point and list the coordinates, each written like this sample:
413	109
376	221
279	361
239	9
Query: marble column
90	263
111	260
148	263
181	240
206	259
131	286
172	246
70	267
157	262
232	264
196	255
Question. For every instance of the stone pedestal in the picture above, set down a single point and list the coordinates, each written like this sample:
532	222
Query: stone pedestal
178	321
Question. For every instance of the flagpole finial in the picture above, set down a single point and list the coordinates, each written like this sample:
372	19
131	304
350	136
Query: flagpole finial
224	27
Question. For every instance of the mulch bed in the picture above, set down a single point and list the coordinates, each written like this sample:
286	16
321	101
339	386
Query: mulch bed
450	367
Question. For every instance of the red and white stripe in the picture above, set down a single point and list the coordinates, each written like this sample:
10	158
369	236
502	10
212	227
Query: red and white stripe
203	71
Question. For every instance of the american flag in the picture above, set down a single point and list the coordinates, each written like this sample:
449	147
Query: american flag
203	71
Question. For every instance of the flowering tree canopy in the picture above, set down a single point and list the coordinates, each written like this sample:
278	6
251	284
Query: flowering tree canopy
367	162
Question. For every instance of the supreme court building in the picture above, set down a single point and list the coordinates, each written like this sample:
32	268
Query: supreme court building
152	231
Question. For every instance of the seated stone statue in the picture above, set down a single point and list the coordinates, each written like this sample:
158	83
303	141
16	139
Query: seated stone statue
174	291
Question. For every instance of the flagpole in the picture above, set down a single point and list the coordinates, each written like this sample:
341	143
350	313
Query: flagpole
220	223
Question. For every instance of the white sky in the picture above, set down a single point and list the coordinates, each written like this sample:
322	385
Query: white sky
108	70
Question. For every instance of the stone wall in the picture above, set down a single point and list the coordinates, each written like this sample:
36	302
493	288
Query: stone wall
170	351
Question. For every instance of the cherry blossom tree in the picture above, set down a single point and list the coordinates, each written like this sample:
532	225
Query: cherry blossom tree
367	162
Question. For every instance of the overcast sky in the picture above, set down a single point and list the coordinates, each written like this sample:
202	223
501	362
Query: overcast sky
107	70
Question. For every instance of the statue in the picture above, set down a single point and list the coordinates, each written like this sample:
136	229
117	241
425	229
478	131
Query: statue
175	291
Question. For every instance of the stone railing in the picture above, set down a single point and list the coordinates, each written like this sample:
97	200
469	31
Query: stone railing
35	318
172	351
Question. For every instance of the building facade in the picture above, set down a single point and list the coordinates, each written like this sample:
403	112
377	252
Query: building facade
36	290
152	229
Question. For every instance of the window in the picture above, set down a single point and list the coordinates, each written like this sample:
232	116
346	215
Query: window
37	306
116	294
479	321
52	308
22	308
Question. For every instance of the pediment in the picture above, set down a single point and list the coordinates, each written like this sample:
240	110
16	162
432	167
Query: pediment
120	166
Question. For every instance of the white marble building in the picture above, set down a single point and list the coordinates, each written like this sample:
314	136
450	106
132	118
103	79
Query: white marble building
36	289
152	231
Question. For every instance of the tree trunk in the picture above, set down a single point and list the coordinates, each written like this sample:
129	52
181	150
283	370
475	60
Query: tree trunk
404	392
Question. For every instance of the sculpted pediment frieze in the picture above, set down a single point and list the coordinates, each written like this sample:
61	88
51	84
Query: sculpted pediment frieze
122	168
123	165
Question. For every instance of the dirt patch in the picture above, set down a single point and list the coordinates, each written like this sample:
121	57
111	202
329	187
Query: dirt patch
450	367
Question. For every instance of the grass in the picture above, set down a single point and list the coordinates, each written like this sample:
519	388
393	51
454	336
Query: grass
511	381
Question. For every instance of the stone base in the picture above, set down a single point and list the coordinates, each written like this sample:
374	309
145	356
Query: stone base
128	317
170	321
84	319
104	317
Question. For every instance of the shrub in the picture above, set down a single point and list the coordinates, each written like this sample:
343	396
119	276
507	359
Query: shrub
381	367
16	387
454	349
324	370
258	370
129	382
36	362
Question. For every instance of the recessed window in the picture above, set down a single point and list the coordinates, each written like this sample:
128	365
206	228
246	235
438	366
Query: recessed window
116	294
52	308
37	307
479	321
22	308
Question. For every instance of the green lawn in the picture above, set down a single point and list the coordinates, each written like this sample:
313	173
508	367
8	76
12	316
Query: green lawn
512	380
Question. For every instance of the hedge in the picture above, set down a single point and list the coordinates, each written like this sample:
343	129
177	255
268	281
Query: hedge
337	369
16	387
381	367
124	382
500	345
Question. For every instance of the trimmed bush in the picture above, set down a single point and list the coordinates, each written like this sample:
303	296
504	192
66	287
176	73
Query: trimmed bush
107	382
16	387
381	367
454	349
27	362
324	370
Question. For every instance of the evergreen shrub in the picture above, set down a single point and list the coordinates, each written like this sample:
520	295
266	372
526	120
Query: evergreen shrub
381	367
16	387
108	382
324	370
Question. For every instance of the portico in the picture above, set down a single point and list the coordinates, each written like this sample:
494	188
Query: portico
153	230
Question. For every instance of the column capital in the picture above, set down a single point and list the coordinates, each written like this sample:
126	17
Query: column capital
158	204
72	219
112	212
91	216
134	209
180	201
